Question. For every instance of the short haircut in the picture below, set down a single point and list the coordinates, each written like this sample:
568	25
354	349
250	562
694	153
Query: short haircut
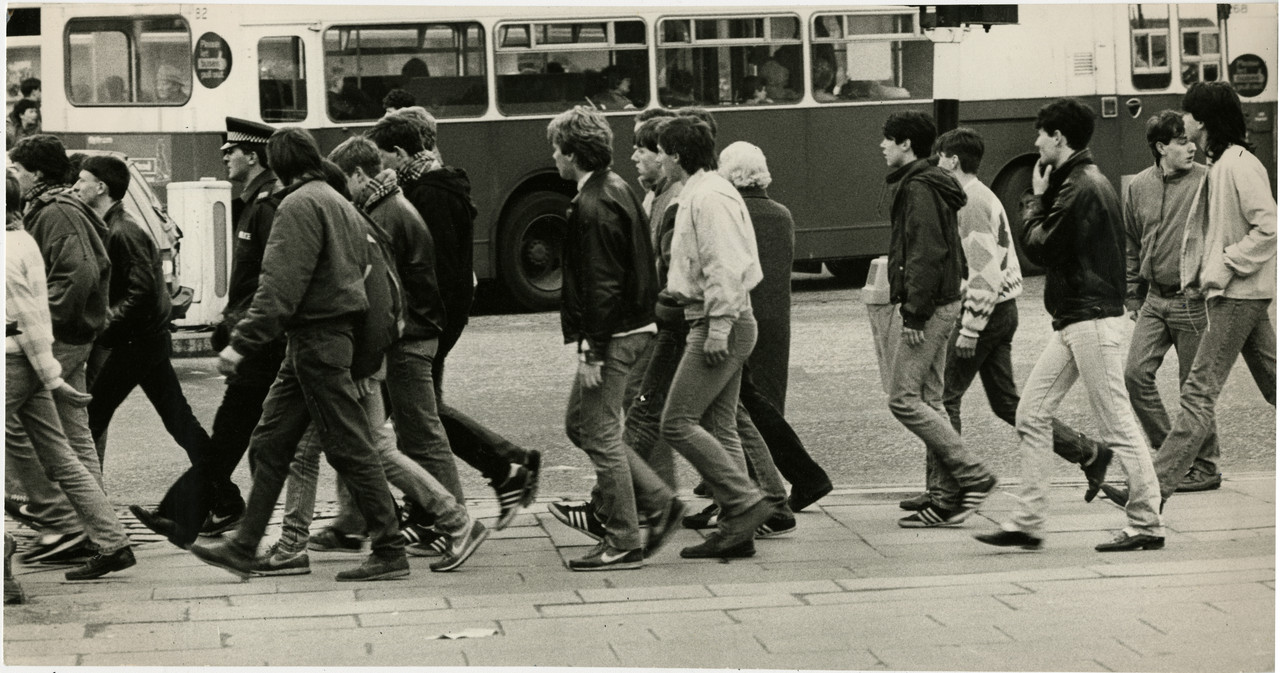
691	139
583	134
649	131
357	152
654	113
111	171
429	126
42	153
294	153
702	114
398	130
744	165
22	106
965	144
1070	116
28	85
73	167
398	98
12	192
335	177
1164	128
1217	106
259	149
915	126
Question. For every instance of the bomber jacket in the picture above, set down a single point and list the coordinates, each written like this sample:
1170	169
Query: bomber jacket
443	199
313	267
415	258
70	236
1157	206
610	281
1076	232
138	294
926	261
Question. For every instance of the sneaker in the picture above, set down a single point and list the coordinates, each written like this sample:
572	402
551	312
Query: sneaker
802	498
21	512
580	517
279	562
778	524
715	547
915	503
605	557
1126	542
461	547
1197	480
101	564
217	524
331	540
932	516
972	497
707	518
376	568
662	526
532	463
420	540
512	493
160	525
1096	472
226	554
56	546
1010	538
13	593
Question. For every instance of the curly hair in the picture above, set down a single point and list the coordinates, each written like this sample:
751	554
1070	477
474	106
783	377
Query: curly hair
1070	116
1217	106
744	165
44	154
583	134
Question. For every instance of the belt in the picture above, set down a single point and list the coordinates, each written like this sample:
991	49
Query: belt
1166	291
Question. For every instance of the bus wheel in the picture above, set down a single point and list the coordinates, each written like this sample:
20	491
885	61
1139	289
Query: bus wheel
532	243
851	272
1010	185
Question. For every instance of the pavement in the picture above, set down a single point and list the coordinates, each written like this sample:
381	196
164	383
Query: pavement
848	590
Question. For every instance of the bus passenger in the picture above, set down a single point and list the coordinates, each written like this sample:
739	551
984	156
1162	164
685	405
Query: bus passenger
23	122
617	86
679	89
30	88
752	91
171	86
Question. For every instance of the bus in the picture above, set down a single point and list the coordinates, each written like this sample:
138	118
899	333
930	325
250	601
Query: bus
156	82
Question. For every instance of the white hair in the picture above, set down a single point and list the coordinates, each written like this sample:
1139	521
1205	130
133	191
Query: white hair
744	165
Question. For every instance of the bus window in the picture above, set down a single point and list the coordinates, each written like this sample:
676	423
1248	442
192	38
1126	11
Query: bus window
728	61
440	65
125	61
1198	29
282	85
550	67
870	56
1149	41
23	63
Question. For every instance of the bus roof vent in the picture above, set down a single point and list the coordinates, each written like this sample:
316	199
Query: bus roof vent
1082	64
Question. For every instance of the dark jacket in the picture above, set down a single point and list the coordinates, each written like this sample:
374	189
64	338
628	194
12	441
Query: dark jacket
138	294
926	261
253	227
1076	232
443	199
415	259
610	281
771	298
78	270
313	268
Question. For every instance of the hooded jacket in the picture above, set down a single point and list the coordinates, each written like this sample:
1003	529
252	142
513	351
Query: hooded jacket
926	261
1076	232
70	236
443	199
138	294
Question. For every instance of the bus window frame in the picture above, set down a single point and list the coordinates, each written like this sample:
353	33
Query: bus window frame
916	34
1200	59
301	80
1151	71
133	56
693	42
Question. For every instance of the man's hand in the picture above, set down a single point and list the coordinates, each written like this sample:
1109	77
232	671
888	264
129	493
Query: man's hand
966	346
912	337
716	349
1040	178
589	375
1133	306
228	360
65	394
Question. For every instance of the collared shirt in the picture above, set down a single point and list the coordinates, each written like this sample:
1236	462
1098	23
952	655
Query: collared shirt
27	304
1156	207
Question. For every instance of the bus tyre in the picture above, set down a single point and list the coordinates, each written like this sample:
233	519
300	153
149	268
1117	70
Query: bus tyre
1010	185
531	248
851	272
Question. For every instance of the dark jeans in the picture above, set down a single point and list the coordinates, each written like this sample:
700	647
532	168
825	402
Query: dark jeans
314	388
144	362
788	452
642	431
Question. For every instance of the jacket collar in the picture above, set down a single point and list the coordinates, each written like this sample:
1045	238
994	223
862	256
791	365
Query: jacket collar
1082	158
255	186
753	192
116	208
904	172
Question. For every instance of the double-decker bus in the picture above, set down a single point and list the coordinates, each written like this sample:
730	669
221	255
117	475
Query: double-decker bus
156	82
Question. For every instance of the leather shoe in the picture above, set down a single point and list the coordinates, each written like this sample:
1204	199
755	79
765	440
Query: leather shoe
1096	472
160	525
714	547
802	498
1127	542
1010	538
1197	480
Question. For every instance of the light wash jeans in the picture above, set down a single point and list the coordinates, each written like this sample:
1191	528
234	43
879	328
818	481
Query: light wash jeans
626	485
1165	322
1236	327
402	471
28	402
1092	351
700	419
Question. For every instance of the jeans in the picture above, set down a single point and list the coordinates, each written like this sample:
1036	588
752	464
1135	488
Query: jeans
23	471
1163	322
314	388
993	361
760	463
401	470
1091	351
915	398
627	486
28	402
1236	327
785	448
642	430
411	392
144	362
705	395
